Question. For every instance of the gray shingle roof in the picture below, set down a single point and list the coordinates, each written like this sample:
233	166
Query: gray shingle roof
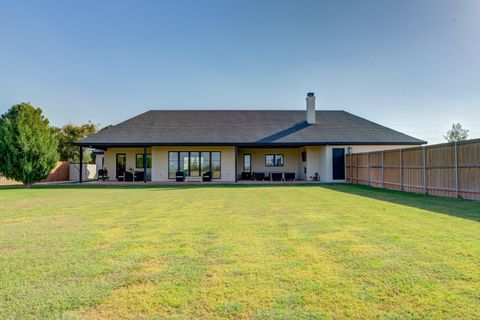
245	127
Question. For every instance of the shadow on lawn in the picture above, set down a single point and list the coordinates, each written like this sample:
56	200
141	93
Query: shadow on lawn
466	209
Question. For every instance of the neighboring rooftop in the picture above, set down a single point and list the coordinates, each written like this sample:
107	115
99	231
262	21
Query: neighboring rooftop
245	128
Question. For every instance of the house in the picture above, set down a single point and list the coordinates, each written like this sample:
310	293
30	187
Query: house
228	145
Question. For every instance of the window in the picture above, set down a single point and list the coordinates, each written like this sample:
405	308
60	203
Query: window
139	161
304	156
194	163
274	160
205	162
247	166
183	163
216	165
172	165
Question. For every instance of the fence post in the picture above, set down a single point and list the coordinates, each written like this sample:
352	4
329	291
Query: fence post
351	169
383	169
401	171
425	189
368	167
356	168
456	170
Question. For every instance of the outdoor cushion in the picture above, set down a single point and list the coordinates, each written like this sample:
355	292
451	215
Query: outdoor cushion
259	176
180	176
207	176
128	176
277	176
139	176
289	176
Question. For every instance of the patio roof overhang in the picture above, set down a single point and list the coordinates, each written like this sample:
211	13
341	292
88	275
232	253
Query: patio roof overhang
104	146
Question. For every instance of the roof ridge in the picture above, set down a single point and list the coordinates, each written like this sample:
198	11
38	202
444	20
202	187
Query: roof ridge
256	110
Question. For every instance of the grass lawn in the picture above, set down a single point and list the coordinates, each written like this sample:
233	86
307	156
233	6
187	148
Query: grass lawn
262	252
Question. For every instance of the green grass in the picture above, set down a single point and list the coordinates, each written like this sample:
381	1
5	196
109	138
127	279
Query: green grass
261	252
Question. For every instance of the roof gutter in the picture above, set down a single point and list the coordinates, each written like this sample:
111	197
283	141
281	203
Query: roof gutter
241	144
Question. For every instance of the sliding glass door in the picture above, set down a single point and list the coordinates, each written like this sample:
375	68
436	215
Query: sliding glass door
247	163
173	165
121	165
194	163
184	164
216	165
205	162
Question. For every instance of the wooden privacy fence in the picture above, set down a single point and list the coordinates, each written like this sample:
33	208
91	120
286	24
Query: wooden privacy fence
59	173
7	182
448	170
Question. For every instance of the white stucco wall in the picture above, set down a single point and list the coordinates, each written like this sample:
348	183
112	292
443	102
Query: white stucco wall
291	158
89	172
110	156
99	161
314	161
302	165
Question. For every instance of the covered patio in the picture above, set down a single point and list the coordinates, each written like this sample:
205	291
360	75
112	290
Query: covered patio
286	163
271	164
133	163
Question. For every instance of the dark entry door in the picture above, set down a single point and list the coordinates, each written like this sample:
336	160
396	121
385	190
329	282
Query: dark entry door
338	164
121	165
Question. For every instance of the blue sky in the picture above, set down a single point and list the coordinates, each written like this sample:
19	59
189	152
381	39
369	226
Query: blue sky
410	65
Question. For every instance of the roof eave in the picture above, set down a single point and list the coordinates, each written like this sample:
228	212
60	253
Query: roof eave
102	145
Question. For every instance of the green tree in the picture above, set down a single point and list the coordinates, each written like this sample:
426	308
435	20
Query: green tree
456	133
28	148
71	133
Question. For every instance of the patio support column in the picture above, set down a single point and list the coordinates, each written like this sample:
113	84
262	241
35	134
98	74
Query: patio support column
144	164
81	165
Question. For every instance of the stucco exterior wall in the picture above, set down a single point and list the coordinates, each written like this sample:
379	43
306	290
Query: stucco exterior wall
99	161
291	158
314	161
89	172
160	161
110	157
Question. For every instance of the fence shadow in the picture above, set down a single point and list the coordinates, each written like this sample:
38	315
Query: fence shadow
466	209
159	187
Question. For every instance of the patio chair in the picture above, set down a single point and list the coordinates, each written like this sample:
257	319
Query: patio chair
102	174
277	176
207	176
121	175
289	176
259	176
139	175
180	176
246	176
128	176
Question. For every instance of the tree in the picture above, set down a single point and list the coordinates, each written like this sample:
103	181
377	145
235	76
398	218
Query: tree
457	133
28	148
71	133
